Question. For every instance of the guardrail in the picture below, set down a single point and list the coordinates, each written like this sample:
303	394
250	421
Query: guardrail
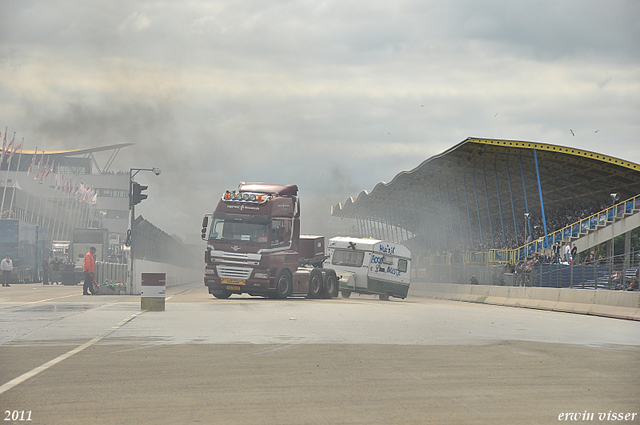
111	273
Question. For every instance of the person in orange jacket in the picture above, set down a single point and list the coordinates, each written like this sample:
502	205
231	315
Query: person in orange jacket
89	270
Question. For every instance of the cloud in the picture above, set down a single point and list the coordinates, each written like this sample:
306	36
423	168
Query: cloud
329	95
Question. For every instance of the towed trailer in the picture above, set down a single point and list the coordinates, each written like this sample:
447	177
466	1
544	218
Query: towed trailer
371	266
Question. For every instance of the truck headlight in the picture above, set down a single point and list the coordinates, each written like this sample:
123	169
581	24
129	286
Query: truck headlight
261	275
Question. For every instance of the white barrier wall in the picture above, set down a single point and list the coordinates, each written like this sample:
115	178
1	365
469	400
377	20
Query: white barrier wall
598	302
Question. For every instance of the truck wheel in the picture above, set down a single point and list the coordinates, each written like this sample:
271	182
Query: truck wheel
345	294
315	284
223	295
331	285
284	284
384	297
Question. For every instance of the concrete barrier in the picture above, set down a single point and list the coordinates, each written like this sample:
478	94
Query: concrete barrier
463	293
542	298
479	293
518	297
448	290
576	300
601	302
619	304
498	295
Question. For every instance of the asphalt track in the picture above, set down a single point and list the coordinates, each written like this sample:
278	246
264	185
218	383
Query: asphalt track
72	359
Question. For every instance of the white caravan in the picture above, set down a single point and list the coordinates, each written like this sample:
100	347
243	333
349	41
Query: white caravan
371	266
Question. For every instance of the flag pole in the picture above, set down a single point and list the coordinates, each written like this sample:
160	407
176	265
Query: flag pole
4	192
26	208
15	180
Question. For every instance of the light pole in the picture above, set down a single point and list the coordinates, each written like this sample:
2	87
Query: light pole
135	197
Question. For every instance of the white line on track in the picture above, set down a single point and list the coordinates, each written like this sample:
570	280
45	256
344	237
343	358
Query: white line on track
20	379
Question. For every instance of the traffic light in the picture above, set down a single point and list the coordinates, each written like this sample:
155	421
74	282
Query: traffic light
137	196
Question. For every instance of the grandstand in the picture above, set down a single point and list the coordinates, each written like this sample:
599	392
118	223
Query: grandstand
487	201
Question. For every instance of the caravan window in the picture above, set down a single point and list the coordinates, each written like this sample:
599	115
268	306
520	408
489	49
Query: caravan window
347	258
402	266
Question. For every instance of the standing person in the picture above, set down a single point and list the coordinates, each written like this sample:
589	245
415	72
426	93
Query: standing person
89	270
556	253
574	253
6	266
46	269
55	271
567	252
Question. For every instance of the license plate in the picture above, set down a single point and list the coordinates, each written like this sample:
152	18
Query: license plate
234	281
233	288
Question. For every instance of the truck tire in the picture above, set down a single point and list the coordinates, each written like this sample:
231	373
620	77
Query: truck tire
223	295
316	285
330	284
345	294
384	297
284	284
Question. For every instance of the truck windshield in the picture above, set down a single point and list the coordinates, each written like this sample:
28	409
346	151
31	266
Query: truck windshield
240	228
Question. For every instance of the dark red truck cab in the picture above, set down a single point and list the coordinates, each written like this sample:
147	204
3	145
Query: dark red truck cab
254	246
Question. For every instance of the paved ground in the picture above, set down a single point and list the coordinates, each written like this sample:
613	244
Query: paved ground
73	359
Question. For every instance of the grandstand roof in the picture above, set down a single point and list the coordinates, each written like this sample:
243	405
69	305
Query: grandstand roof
71	152
480	179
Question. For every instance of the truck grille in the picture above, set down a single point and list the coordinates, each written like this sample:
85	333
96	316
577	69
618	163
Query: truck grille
230	272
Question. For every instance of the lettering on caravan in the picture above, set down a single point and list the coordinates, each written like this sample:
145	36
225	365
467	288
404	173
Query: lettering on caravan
387	249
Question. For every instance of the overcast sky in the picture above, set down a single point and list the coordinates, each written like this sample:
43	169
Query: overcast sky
334	96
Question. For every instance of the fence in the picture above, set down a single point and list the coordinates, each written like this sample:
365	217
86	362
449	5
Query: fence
152	244
539	275
593	222
112	273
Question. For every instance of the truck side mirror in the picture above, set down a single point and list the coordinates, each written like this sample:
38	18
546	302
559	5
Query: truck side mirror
205	224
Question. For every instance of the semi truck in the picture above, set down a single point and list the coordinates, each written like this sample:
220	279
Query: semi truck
371	266
27	245
254	246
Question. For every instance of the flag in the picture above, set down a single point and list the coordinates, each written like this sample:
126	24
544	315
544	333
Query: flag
45	171
4	145
19	147
10	143
33	160
39	166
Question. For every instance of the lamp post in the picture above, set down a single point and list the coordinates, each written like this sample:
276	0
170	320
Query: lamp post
135	197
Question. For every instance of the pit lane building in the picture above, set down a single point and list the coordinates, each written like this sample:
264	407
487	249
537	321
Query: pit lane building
66	189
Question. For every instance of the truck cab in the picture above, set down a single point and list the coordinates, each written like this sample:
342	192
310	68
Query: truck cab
254	244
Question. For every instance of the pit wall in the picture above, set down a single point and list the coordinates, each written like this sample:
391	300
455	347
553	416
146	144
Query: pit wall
597	302
175	275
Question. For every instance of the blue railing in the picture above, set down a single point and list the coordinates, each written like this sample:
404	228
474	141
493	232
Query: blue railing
593	222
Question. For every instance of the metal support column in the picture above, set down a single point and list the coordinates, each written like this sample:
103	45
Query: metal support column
544	220
475	190
455	187
444	224
513	210
504	236
486	194
524	191
466	196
